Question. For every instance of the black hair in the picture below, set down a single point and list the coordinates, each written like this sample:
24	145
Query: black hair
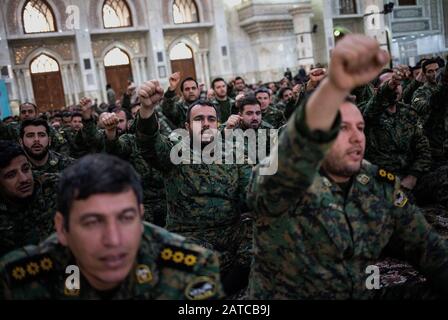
427	63
126	112
217	80
76	115
9	150
262	90
28	104
34	122
248	99
108	86
201	102
239	78
96	174
282	91
185	80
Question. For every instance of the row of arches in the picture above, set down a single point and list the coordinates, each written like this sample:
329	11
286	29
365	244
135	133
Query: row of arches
38	15
45	73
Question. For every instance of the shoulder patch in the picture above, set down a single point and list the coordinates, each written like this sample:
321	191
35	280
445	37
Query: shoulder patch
400	199
29	269
178	258
386	176
201	288
363	179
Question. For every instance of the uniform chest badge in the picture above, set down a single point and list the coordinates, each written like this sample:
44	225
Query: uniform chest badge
400	199
201	288
143	274
53	162
363	179
326	182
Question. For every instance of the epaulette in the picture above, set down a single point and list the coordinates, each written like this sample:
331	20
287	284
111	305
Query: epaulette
29	269
178	258
387	176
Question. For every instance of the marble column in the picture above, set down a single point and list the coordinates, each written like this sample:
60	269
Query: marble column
67	86
102	77
302	14
74	80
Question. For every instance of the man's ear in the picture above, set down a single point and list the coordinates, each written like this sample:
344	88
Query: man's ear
21	142
60	228
187	126
142	213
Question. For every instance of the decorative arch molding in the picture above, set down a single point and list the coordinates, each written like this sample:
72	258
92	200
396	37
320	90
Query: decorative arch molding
187	40
199	6
119	45
133	11
37	52
59	23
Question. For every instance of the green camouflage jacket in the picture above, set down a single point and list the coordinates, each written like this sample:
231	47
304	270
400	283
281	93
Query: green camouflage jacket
274	117
29	221
55	164
167	267
205	201
395	141
174	109
313	242
421	101
154	197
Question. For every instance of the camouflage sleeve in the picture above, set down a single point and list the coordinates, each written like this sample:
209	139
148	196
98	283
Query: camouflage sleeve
154	148
58	142
244	172
120	147
420	102
297	158
409	91
210	269
90	136
378	103
169	107
422	153
422	246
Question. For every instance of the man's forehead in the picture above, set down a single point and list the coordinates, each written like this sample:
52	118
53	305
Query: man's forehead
350	113
202	110
16	162
252	107
432	66
34	129
189	84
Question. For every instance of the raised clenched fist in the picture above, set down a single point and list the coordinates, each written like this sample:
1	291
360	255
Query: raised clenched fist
86	107
233	121
109	121
150	93
355	61
174	81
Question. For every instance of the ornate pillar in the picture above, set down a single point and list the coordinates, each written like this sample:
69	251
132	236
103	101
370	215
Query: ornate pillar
73	79
302	14
102	76
67	85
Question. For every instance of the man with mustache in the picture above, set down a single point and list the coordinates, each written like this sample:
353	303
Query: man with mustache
28	111
327	216
250	118
112	253
27	200
173	108
395	138
421	100
35	140
270	113
206	202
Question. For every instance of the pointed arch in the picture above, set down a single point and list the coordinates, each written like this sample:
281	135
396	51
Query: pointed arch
185	11
116	14
38	17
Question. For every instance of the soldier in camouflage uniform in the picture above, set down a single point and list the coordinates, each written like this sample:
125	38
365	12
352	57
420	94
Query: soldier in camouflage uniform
434	186
250	118
99	229
205	202
224	104
34	139
326	216
422	96
27	201
270	113
174	109
124	145
395	138
28	111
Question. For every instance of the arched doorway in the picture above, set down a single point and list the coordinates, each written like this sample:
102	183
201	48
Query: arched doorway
181	57
47	83
118	70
